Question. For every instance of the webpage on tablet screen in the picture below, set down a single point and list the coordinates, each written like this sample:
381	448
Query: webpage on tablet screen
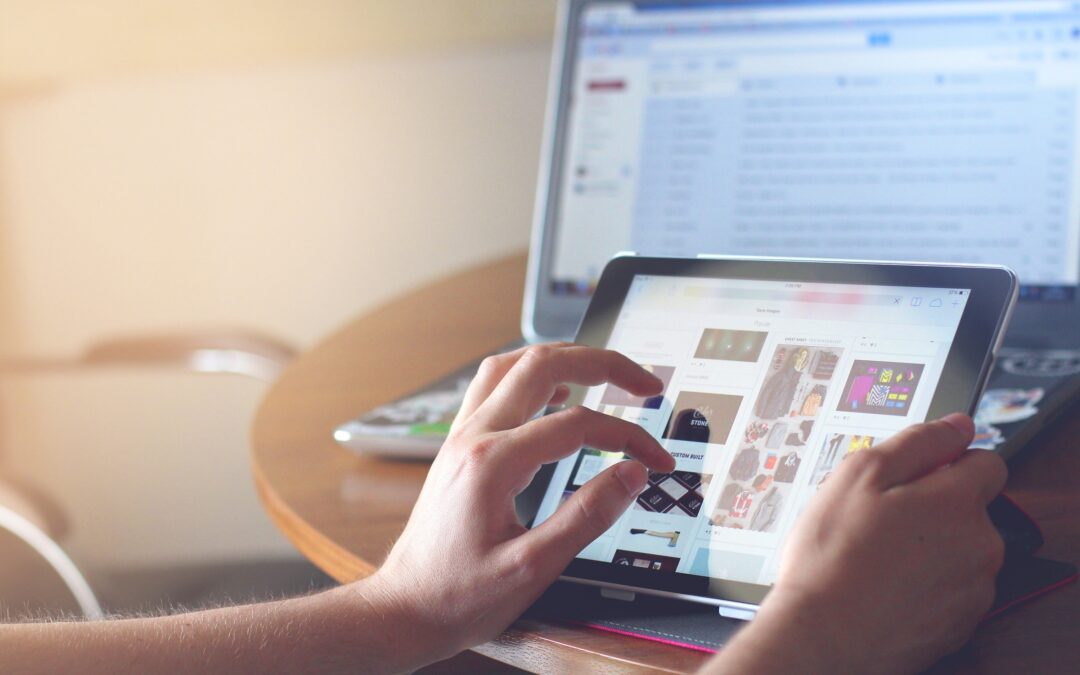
770	385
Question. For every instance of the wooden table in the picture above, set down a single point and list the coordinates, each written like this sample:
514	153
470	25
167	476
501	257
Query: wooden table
343	512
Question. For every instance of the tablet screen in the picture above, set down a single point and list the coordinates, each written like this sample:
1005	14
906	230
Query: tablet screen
770	385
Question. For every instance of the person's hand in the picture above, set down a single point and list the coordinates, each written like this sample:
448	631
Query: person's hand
465	566
891	565
463	569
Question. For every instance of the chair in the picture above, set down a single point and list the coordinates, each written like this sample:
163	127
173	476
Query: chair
21	518
223	351
30	519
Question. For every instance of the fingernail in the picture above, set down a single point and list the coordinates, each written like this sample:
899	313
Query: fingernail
962	423
633	476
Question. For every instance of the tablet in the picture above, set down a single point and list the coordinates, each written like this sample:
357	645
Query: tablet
775	371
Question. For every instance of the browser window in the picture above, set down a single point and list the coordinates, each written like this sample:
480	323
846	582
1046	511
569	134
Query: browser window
881	130
769	387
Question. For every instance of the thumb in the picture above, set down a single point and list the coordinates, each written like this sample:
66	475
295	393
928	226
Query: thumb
587	514
920	449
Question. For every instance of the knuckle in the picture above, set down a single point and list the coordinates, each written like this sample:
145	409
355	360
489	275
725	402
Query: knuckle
537	357
943	434
919	434
478	450
936	434
541	352
586	506
635	433
491	366
578	414
905	435
525	561
593	512
866	465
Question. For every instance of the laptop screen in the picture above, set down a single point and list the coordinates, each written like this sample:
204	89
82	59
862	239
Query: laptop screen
900	130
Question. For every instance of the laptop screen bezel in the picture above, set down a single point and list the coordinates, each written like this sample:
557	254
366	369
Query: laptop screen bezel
547	315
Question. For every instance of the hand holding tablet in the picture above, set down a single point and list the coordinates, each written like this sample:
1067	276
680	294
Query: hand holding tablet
915	535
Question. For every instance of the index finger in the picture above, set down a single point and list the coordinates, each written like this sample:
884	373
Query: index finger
555	436
533	379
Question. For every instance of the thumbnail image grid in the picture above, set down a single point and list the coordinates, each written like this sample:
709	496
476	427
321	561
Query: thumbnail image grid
619	403
774	443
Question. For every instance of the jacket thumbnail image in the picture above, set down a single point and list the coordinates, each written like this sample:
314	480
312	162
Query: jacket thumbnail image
754	505
703	418
720	344
679	492
835	449
881	387
775	440
785	390
615	396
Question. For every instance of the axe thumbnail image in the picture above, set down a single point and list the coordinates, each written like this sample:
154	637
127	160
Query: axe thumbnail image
672	537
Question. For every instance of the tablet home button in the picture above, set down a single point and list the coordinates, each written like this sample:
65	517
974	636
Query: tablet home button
737	613
617	594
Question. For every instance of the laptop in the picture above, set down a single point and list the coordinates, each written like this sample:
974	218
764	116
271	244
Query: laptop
943	131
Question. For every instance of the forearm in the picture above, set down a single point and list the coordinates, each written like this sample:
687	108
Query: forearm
348	629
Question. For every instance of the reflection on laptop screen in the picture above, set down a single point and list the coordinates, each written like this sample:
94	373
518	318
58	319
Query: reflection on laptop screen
901	130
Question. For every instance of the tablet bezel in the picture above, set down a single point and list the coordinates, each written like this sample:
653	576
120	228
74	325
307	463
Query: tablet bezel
967	367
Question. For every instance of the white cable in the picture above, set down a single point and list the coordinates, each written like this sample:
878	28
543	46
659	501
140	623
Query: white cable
55	556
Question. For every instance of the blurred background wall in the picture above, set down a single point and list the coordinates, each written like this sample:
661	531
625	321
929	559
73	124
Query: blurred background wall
271	164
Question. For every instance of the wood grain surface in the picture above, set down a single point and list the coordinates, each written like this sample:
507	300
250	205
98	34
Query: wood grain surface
344	512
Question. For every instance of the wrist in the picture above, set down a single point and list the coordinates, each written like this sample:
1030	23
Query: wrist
787	635
393	634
